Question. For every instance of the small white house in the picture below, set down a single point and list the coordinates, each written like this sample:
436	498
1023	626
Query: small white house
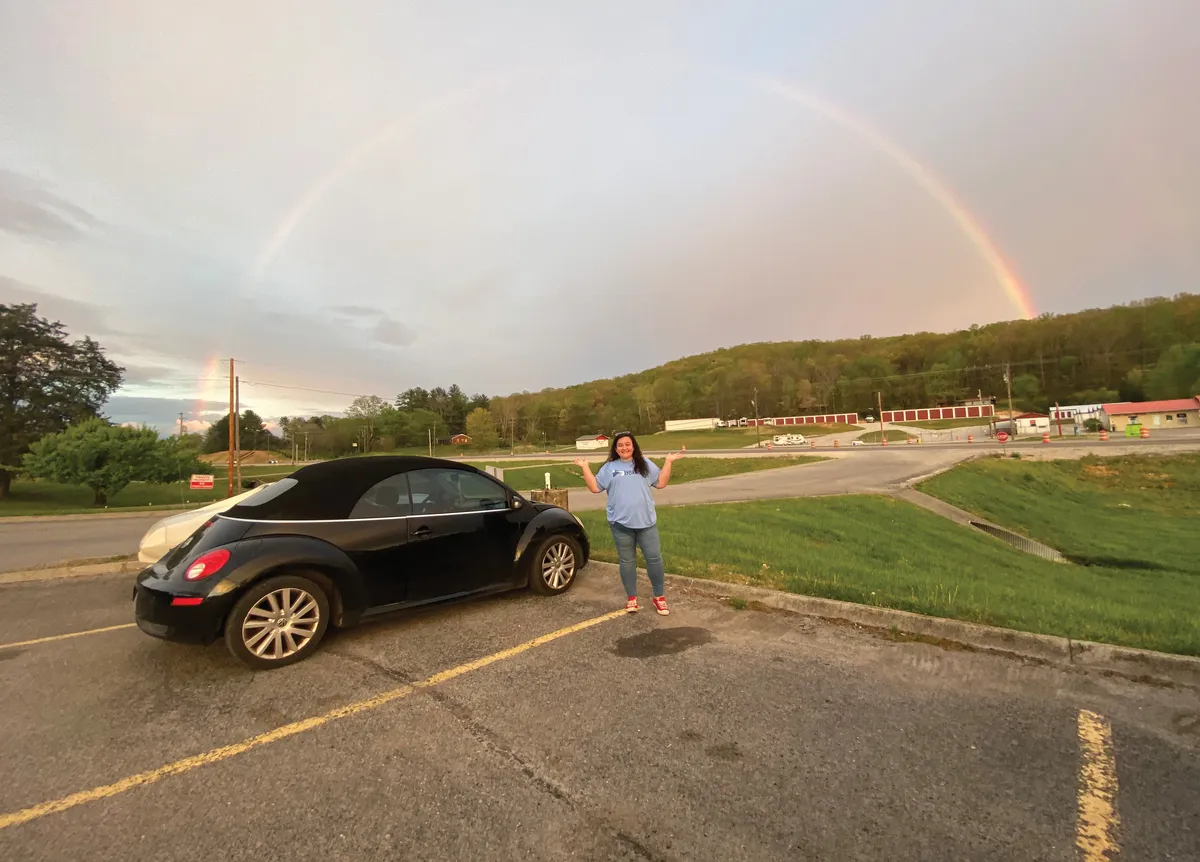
592	441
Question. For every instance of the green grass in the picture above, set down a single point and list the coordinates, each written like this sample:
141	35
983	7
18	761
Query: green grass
51	498
947	424
1137	512
885	552
686	469
892	435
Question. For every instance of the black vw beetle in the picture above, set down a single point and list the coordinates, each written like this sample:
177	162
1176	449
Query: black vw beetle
339	541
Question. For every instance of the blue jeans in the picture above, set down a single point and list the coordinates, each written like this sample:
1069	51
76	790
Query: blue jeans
627	542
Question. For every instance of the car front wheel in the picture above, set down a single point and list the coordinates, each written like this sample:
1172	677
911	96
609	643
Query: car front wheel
279	621
554	564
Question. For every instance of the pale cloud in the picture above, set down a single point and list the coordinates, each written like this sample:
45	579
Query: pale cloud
386	195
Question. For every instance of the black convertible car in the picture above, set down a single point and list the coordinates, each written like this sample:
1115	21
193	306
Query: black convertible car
342	540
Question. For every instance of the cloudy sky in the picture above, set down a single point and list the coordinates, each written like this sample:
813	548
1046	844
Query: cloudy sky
362	196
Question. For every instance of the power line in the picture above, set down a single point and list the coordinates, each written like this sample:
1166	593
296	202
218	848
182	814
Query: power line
306	389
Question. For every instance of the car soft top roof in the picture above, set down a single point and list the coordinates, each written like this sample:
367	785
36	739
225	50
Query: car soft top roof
328	490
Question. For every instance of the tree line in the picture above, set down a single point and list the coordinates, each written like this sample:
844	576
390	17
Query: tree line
1148	349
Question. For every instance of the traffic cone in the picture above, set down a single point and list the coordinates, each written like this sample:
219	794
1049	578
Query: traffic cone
835	444
1045	436
1145	432
1103	434
970	438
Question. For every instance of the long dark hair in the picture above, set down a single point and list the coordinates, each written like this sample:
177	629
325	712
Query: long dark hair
639	461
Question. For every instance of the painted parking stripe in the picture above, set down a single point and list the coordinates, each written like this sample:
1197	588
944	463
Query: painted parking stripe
1096	822
54	806
67	635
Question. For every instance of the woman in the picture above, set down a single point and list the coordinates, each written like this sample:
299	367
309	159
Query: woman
628	476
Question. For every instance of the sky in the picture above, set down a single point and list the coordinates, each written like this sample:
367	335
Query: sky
360	197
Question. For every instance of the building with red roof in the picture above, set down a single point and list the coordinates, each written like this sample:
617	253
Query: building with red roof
1162	415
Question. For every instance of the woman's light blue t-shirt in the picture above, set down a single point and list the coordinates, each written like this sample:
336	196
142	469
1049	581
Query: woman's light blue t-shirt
630	502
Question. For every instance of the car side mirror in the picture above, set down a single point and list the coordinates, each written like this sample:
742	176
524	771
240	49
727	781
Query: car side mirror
517	502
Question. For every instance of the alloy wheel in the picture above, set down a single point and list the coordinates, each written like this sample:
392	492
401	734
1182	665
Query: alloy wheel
281	623
558	565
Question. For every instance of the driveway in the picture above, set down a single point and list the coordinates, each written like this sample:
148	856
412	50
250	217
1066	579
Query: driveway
456	734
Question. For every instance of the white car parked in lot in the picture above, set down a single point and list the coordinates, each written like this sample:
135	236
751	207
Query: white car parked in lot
173	529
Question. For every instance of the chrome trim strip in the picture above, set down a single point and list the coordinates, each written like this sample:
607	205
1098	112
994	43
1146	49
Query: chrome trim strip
363	520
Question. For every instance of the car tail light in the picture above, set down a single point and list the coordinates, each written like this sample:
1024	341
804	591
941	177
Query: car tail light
207	564
187	601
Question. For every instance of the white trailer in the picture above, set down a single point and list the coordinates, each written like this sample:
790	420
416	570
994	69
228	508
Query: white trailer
691	424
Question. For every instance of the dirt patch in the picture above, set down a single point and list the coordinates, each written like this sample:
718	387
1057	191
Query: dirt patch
1099	470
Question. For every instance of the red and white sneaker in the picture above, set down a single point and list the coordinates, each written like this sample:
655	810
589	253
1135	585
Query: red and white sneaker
660	605
632	605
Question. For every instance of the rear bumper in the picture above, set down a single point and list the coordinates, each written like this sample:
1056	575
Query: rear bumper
195	624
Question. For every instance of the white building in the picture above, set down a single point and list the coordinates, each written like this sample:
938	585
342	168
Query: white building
691	424
592	441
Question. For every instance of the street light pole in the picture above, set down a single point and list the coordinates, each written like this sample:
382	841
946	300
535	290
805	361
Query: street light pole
757	441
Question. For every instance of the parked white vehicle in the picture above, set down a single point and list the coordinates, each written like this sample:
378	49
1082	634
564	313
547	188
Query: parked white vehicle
788	440
173	529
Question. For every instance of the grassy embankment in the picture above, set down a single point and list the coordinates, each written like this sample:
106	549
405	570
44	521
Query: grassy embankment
1130	523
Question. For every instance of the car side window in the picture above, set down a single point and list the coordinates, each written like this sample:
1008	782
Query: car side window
448	491
386	499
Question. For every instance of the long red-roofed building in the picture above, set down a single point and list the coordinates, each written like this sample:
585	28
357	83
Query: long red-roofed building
1163	415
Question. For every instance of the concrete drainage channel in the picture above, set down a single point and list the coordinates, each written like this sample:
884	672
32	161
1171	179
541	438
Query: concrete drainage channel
1021	543
959	516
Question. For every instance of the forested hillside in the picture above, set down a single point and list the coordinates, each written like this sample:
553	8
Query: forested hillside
1146	349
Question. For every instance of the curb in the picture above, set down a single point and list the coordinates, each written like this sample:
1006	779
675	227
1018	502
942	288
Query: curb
1135	664
73	569
90	516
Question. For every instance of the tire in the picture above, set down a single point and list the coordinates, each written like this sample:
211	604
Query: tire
265	601
554	564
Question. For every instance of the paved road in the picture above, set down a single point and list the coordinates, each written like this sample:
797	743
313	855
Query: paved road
35	542
849	474
709	734
42	541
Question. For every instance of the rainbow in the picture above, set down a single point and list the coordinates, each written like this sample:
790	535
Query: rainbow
210	390
789	92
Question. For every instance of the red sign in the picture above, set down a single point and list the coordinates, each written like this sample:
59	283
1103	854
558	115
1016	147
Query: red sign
201	482
1002	436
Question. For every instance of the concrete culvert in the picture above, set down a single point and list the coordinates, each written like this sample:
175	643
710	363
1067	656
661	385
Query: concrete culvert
1021	543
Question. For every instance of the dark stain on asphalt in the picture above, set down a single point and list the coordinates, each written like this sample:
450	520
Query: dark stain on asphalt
666	641
724	751
1187	722
6	654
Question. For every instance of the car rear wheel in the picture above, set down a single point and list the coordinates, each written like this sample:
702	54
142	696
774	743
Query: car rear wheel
554	564
279	621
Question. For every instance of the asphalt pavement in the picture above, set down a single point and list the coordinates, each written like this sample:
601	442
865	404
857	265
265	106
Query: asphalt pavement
710	734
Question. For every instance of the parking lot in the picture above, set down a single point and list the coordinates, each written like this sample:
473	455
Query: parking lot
531	728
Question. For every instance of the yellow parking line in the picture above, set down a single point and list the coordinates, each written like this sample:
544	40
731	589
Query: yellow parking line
1097	817
225	752
68	635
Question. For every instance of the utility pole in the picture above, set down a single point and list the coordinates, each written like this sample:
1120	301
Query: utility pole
229	491
237	422
757	442
181	426
1012	425
879	401
429	434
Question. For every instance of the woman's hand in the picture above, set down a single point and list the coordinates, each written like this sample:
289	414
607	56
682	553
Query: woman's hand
674	456
580	462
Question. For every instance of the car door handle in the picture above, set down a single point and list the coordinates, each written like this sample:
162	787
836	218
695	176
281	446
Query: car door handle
422	533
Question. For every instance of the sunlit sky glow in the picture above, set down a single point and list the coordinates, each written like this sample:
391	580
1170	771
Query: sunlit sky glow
367	196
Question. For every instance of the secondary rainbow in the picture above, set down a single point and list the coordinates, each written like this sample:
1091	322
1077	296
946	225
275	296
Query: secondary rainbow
789	92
